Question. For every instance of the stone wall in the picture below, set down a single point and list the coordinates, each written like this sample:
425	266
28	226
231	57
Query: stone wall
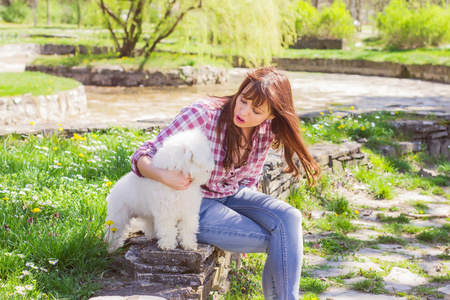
24	109
435	135
365	67
332	158
117	76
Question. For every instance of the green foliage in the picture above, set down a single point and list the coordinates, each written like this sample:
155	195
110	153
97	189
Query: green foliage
334	21
402	219
313	285
34	83
404	27
246	281
389	239
52	210
17	12
374	286
236	26
434	235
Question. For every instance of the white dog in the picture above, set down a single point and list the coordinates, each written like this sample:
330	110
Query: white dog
162	211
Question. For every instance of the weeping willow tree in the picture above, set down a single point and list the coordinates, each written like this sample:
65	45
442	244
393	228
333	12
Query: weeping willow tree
252	30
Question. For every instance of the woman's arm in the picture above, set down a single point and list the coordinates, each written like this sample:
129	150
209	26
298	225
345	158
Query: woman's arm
173	179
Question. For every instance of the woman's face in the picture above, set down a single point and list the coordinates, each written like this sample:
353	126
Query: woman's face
247	116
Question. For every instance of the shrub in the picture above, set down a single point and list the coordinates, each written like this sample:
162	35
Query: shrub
403	27
17	12
334	21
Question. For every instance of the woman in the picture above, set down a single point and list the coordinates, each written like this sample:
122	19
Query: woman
233	215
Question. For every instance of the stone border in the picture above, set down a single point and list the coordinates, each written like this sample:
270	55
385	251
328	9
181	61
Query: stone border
365	67
15	110
117	76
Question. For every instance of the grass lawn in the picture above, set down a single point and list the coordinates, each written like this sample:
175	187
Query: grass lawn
52	207
410	57
157	61
34	83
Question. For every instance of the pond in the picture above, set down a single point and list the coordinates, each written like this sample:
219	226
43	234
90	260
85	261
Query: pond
311	92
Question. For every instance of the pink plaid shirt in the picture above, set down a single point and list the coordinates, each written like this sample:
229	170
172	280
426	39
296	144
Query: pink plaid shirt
204	114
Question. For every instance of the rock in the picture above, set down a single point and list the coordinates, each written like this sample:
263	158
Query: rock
403	280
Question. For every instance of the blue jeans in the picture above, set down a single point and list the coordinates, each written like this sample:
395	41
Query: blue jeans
252	222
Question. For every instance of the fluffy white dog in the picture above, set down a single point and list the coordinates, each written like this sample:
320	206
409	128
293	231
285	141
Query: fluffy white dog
162	211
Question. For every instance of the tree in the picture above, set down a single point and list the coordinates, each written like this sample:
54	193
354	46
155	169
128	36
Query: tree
124	20
253	30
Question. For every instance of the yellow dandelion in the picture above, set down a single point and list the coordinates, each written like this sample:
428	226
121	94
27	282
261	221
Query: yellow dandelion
35	210
378	139
352	107
109	222
421	212
363	128
60	129
5	198
321	113
94	135
303	129
336	214
59	125
109	183
59	164
71	138
356	212
320	126
113	229
55	148
31	123
338	117
396	112
331	111
81	155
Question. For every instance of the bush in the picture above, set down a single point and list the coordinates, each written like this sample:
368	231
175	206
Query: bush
333	22
17	12
403	27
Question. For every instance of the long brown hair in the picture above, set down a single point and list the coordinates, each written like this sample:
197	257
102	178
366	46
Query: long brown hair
269	85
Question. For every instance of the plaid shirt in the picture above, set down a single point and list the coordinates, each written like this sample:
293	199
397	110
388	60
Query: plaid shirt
223	183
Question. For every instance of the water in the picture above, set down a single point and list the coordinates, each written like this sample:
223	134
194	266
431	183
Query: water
311	91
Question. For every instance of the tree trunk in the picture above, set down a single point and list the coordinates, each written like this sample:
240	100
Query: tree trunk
79	13
48	12
315	3
358	14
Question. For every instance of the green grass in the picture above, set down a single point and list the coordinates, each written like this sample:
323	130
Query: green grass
34	83
413	57
52	211
158	61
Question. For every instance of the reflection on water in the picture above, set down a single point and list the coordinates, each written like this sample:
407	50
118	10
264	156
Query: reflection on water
311	91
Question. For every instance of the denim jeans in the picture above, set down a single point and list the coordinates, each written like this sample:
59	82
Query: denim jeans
252	222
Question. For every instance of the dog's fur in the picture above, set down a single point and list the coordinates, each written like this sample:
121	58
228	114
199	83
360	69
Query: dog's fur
161	211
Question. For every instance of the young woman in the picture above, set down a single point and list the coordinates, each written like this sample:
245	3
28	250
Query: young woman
234	216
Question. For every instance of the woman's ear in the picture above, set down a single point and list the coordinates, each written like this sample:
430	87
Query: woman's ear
271	117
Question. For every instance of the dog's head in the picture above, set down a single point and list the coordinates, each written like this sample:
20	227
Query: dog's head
189	152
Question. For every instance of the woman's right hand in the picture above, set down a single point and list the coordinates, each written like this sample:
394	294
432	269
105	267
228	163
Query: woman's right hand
173	179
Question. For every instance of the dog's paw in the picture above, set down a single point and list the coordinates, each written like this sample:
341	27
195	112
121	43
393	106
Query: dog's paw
167	245
189	245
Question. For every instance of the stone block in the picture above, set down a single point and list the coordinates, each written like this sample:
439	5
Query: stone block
337	166
387	150
433	147
405	148
445	145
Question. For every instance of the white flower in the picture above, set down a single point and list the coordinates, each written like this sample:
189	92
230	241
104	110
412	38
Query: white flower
43	270
29	287
8	254
53	261
26	272
29	265
34	198
21	255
